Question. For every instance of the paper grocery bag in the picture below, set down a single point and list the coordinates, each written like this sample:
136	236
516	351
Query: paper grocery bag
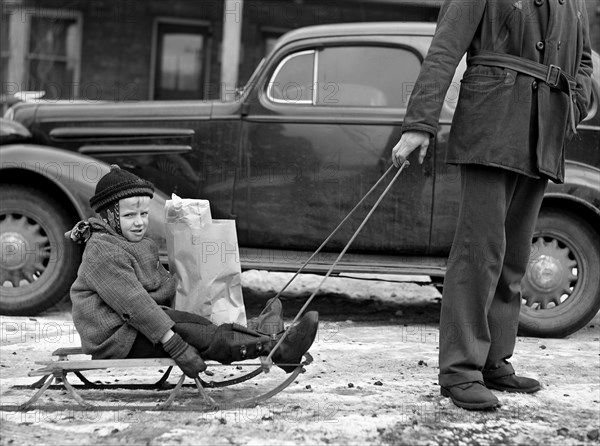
204	256
183	213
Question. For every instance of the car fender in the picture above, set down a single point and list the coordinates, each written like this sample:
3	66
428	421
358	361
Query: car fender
581	187
76	176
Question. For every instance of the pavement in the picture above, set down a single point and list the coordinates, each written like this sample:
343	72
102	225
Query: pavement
373	381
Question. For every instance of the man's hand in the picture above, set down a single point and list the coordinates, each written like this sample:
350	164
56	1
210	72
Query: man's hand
410	141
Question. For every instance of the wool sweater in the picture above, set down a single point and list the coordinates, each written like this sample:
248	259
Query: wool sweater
119	288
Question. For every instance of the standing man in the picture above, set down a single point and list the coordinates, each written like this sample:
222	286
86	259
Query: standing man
526	87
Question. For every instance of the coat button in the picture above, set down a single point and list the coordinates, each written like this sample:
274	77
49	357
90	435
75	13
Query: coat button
534	85
561	2
539	2
540	45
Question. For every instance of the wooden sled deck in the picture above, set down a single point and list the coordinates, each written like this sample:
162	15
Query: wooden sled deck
56	371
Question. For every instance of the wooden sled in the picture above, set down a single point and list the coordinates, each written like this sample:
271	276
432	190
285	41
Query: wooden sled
56	372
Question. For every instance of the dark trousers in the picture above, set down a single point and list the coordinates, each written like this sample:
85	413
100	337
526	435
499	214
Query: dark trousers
225	343
482	288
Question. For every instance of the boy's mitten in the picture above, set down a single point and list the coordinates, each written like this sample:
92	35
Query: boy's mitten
187	357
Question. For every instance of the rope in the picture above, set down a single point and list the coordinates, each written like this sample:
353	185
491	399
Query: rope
364	222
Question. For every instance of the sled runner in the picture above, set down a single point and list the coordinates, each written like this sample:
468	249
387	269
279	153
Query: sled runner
56	372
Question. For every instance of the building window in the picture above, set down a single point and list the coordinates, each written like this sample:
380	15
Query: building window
181	60
53	57
42	51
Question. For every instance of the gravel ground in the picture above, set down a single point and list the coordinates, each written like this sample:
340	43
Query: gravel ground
373	381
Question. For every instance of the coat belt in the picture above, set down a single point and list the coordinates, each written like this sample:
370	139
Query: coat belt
552	75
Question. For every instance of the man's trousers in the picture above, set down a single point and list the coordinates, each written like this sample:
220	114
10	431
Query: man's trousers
482	288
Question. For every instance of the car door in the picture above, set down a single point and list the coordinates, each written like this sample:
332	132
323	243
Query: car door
318	134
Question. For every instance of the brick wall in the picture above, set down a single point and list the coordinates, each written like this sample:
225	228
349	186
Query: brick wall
117	44
117	34
116	52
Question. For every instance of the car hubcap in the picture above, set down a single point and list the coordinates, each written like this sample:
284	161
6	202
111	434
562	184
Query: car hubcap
551	276
25	250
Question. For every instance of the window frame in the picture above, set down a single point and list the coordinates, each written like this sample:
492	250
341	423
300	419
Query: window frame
19	55
5	55
280	65
154	57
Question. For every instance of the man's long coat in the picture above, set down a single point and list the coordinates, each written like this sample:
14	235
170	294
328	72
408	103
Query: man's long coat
505	118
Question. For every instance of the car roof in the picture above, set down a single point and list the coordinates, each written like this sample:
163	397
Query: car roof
358	29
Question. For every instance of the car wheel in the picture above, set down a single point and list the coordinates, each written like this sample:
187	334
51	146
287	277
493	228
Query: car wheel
38	265
561	288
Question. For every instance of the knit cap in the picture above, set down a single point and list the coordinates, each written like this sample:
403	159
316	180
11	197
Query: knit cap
119	184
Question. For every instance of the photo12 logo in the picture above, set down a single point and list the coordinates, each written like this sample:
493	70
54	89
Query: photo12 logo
34	331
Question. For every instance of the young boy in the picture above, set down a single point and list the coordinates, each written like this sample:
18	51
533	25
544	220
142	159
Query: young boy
122	292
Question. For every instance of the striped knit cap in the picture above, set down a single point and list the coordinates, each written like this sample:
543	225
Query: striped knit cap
119	184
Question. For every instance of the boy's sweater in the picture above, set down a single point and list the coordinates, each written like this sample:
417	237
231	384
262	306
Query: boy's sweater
117	293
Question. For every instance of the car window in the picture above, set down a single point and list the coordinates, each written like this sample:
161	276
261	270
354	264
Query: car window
592	110
366	76
451	98
292	81
592	107
346	76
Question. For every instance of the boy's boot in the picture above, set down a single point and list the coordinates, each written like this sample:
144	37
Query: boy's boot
297	342
232	342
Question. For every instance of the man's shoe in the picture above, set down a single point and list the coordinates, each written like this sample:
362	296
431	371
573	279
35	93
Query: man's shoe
297	342
513	383
471	395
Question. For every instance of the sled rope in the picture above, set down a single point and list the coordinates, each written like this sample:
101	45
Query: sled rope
334	232
339	257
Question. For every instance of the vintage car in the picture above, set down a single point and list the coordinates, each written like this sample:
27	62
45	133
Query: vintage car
287	158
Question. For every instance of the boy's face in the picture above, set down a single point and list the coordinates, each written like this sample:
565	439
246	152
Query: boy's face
133	216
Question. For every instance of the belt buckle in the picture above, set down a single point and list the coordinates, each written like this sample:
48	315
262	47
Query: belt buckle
553	76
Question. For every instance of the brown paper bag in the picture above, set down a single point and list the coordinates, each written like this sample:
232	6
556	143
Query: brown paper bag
204	256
